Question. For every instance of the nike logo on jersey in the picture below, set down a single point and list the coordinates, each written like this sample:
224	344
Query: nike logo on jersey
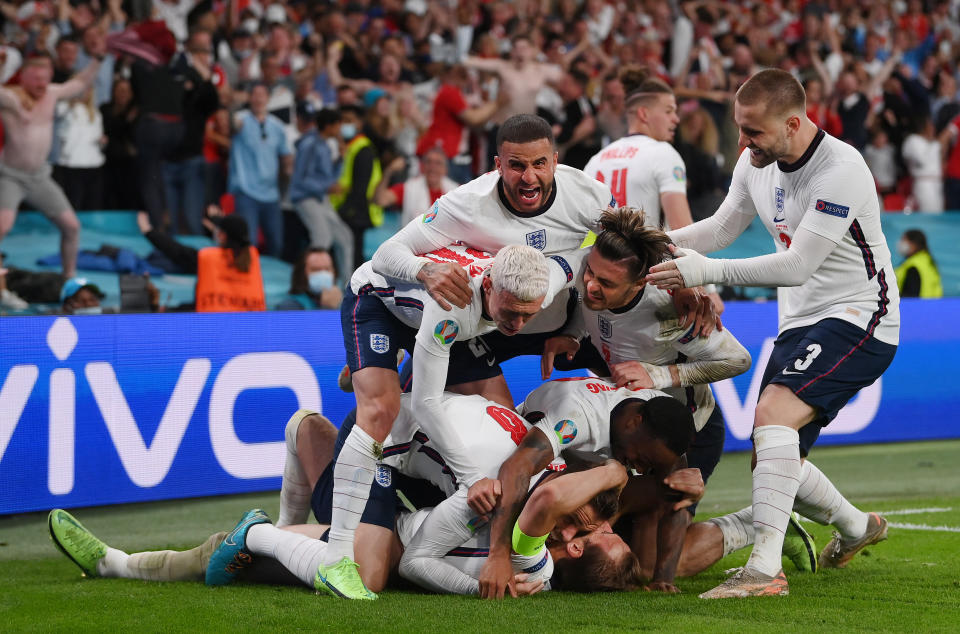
788	372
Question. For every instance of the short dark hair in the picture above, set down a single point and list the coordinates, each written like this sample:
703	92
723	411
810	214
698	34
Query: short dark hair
777	89
594	571
353	109
327	117
670	421
524	128
667	419
580	77
624	236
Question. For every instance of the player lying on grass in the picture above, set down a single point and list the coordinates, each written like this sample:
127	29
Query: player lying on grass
561	508
645	430
382	315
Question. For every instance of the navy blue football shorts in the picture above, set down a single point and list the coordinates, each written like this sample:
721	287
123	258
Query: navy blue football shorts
825	365
382	504
372	335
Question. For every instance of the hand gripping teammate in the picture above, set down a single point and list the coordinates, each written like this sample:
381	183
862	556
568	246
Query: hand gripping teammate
839	318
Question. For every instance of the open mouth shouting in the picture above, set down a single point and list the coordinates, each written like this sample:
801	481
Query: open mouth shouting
530	196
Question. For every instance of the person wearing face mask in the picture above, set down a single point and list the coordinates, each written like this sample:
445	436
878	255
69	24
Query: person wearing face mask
313	282
358	181
79	297
228	275
918	275
316	170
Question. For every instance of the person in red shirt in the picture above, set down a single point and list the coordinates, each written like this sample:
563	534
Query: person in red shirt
452	117
415	195
823	114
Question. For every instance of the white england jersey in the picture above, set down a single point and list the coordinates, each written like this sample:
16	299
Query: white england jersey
830	192
452	531
649	330
477	213
409	302
448	556
577	412
490	431
638	169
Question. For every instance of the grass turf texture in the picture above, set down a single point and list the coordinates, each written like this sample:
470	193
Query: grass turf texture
909	582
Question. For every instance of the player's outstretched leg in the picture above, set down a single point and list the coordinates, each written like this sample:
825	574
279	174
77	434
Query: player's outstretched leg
839	552
819	500
76	542
295	488
232	555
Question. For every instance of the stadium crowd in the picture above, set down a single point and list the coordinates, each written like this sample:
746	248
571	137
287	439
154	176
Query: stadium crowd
339	109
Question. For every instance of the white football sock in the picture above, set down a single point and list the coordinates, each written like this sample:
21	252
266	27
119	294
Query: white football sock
819	500
114	564
352	476
737	529
298	553
295	490
775	481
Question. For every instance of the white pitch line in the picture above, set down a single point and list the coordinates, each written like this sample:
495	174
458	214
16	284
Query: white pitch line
932	509
924	527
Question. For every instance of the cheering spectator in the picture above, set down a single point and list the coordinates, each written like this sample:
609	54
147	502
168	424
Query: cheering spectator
258	153
79	167
27	114
578	139
216	154
120	168
184	173
922	155
452	119
414	196
881	158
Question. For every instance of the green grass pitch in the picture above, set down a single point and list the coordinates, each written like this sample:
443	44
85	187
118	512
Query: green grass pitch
909	583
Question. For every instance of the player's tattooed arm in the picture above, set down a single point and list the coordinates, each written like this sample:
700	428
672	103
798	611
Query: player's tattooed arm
532	455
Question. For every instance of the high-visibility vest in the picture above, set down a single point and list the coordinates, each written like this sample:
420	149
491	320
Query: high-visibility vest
221	288
930	285
346	178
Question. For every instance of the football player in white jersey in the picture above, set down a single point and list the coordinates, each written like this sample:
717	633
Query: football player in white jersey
838	310
379	317
529	199
645	430
635	336
642	169
443	547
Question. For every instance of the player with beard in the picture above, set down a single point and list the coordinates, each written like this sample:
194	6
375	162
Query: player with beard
839	318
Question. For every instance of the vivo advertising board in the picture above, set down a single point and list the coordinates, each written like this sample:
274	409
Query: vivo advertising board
124	408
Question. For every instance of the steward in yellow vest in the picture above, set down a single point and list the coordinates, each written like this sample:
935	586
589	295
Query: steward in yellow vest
358	180
918	275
